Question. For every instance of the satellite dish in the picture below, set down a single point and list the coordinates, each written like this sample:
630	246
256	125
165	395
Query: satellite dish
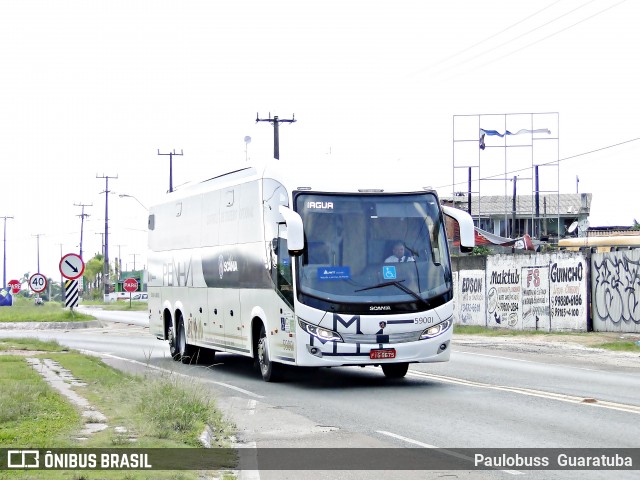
247	139
572	227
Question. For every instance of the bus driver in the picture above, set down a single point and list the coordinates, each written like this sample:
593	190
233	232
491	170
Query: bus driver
398	254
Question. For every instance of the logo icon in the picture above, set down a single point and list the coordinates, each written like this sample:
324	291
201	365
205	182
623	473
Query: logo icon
23	459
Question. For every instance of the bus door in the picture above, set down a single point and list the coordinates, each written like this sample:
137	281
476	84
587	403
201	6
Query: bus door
232	318
281	313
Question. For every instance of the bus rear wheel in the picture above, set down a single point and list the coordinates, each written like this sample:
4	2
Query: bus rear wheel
269	370
395	370
185	351
173	345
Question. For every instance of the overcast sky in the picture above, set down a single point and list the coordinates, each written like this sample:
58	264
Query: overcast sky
92	88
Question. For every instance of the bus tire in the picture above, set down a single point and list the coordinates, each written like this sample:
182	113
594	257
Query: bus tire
173	345
268	369
185	351
395	370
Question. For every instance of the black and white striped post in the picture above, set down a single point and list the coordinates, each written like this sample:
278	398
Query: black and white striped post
72	293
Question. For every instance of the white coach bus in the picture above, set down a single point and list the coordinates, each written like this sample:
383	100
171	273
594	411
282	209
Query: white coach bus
291	267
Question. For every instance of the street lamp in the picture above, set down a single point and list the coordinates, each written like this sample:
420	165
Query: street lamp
123	195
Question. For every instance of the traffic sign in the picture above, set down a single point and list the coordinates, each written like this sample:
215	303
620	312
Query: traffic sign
71	266
38	282
15	286
130	285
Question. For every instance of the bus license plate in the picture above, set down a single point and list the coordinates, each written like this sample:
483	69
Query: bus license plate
383	353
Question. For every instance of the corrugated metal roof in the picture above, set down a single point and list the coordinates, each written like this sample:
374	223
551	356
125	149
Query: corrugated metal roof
491	205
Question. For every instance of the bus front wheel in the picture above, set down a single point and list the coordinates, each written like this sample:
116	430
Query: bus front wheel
395	370
268	369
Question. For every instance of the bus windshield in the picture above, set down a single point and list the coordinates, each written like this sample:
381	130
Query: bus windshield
372	248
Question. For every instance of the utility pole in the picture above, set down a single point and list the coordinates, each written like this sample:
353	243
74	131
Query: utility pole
513	212
82	217
37	235
134	259
101	251
62	288
469	193
171	154
275	121
106	231
4	257
119	262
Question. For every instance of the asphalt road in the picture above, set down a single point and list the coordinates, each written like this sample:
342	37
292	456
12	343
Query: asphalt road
490	395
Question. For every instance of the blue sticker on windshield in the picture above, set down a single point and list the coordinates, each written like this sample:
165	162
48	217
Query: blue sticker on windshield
389	273
334	273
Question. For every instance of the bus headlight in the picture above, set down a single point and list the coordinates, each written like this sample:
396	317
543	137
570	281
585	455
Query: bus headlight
436	330
320	333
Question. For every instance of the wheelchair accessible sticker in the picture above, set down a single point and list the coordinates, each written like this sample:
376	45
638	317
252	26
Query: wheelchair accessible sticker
389	273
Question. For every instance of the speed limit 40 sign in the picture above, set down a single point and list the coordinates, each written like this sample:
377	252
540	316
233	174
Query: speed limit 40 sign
38	282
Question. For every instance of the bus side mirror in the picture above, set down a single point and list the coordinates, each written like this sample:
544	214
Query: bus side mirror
295	230
467	230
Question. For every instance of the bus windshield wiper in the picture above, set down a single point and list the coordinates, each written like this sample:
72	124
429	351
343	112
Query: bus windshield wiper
398	284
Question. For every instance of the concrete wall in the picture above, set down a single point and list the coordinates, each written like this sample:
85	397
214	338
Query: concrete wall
527	292
615	287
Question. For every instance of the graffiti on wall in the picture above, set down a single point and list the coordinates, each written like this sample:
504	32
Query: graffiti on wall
503	294
533	292
616	291
568	289
535	298
471	298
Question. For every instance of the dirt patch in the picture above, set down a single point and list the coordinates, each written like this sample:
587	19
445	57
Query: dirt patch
22	353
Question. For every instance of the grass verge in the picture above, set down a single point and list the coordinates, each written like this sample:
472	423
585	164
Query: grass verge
24	310
120	305
142	412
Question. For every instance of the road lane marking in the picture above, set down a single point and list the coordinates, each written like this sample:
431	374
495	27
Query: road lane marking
530	392
173	372
442	450
500	357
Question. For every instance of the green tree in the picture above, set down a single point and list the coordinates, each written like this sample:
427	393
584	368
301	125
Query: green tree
93	272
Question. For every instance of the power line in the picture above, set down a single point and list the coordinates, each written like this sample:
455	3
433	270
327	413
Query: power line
552	34
482	53
440	62
547	163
